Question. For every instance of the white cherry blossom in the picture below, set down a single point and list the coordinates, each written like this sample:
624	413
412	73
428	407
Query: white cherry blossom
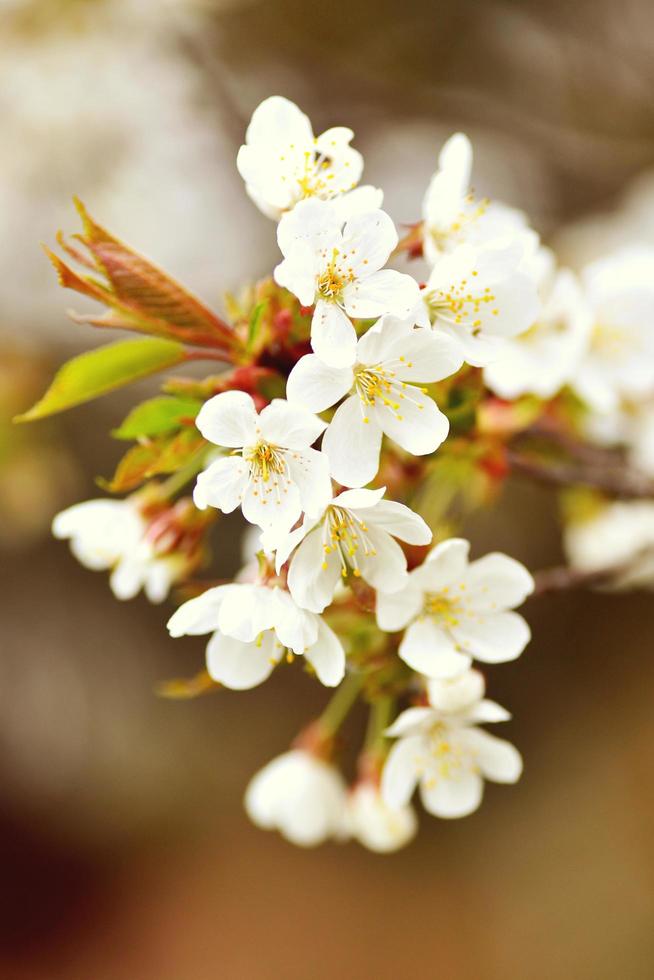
381	396
375	824
282	162
617	535
619	362
354	535
253	627
111	534
545	357
301	796
480	297
340	270
440	749
273	474
452	216
455	610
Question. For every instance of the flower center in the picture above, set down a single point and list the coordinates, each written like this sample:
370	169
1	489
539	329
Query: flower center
611	341
461	307
442	608
447	758
334	278
345	534
265	460
443	234
377	384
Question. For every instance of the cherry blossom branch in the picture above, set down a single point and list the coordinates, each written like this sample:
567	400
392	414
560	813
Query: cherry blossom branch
624	485
563	578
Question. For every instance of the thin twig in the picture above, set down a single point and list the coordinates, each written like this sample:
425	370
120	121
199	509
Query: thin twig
624	485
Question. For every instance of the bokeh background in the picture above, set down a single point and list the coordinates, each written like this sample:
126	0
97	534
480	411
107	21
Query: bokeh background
124	851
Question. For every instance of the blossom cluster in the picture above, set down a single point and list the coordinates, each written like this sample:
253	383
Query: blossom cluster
356	391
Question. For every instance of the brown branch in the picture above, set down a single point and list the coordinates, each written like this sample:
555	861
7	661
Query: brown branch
624	484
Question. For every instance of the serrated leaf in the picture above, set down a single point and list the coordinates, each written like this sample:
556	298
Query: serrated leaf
105	369
157	416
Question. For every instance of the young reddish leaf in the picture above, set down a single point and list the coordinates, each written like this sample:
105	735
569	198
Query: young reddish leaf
140	296
100	371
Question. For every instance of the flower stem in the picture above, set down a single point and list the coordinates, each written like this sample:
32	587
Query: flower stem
341	703
380	715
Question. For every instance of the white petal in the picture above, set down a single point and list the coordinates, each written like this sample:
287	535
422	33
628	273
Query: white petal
417	425
201	614
358	201
486	712
410	722
386	568
296	629
352	446
284	544
313	225
431	651
368	240
386	291
222	484
455	797
497	758
454	694
360	499
246	611
240	665
272	503
309	471
428	357
126	580
492	639
395	610
316	385
327	656
276	122
228	419
445	565
291	426
497	582
298	271
400	773
312	585
399	520
333	337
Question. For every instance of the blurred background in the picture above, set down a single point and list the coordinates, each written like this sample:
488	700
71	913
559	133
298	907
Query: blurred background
124	850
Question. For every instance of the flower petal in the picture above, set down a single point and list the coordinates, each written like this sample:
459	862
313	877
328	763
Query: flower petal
222	484
291	426
497	582
312	584
368	240
399	520
246	611
272	503
352	446
445	565
497	758
309	471
431	651
333	337
395	610
400	773
410	722
451	798
316	385
327	656
386	568
386	291
228	419
201	614
417	425
240	665
493	639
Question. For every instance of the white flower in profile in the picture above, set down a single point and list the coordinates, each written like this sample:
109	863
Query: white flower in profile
301	796
452	216
272	473
253	627
354	535
340	269
617	535
454	610
382	396
545	357
619	362
441	749
480	297
375	824
111	534
283	163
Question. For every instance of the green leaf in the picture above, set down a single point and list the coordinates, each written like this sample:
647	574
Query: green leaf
255	323
154	457
157	416
100	371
